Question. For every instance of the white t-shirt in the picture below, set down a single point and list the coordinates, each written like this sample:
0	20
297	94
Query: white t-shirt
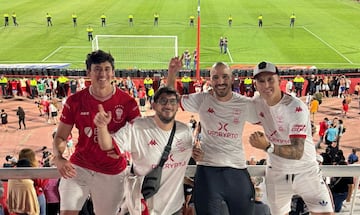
146	142
289	118
222	125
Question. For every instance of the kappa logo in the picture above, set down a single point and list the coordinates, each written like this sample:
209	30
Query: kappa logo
298	109
210	110
323	203
152	143
223	126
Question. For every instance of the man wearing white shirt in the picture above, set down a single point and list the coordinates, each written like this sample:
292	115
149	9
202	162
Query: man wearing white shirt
292	167
221	175
146	139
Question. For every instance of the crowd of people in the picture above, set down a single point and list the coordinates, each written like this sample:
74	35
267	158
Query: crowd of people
112	134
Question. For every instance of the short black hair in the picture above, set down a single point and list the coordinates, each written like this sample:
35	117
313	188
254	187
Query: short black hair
97	57
167	91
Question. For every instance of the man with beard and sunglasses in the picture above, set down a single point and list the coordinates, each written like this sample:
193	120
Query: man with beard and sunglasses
221	174
146	139
287	138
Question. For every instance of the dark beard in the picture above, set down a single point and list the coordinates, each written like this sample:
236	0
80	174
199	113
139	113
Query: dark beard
166	120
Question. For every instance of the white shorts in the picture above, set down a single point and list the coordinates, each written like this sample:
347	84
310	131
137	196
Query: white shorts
107	191
309	185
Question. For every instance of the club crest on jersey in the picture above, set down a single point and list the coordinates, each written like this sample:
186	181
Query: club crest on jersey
88	131
210	110
118	113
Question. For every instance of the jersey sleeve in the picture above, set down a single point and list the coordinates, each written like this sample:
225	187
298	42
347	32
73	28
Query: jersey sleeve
192	102
121	138
133	110
300	121
252	116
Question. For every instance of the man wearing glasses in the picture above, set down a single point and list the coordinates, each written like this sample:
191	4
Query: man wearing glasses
146	139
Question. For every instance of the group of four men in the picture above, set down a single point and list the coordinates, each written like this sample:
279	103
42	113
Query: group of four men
109	125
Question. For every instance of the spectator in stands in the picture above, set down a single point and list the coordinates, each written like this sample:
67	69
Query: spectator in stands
21	115
353	158
314	107
198	85
341	131
81	81
4	85
292	168
142	99
80	174
4	119
90	31
345	105
217	118
22	198
103	20
323	126
48	19
74	19
33	87
39	184
341	188
356	90
289	86
142	139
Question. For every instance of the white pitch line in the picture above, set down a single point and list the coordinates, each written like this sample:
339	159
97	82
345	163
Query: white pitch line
229	54
328	45
51	54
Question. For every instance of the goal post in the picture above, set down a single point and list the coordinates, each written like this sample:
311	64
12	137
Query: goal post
138	51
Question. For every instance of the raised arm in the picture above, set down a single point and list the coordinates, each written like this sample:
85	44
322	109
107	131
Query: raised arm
174	67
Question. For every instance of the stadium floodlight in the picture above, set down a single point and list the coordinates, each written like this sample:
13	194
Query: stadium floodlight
138	51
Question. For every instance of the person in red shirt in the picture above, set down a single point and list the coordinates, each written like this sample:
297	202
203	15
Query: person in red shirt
323	127
90	169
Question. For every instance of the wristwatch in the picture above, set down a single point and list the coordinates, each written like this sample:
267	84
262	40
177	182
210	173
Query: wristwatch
270	148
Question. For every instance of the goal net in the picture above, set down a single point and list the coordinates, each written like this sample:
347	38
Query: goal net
138	51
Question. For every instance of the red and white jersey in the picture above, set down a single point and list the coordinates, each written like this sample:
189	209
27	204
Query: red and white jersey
146	142
80	110
289	118
222	125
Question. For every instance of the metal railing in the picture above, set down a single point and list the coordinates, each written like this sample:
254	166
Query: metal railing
254	170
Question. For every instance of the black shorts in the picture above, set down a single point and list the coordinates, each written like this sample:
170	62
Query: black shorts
142	102
53	114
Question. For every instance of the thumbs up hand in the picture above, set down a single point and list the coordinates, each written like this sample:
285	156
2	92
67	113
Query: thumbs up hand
102	118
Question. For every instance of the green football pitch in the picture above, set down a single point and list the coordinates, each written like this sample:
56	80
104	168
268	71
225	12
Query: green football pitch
326	32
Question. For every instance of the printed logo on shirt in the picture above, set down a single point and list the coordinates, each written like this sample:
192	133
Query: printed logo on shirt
84	113
298	128
298	109
152	143
323	203
222	126
88	131
210	110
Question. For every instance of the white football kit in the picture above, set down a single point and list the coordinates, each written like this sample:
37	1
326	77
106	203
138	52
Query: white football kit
290	118
146	142
222	124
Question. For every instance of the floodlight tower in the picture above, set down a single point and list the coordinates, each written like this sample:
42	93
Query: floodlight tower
198	43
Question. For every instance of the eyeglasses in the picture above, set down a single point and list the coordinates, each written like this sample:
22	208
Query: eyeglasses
164	101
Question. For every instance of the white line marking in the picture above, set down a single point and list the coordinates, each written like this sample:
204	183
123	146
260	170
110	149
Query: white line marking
229	54
51	54
328	45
